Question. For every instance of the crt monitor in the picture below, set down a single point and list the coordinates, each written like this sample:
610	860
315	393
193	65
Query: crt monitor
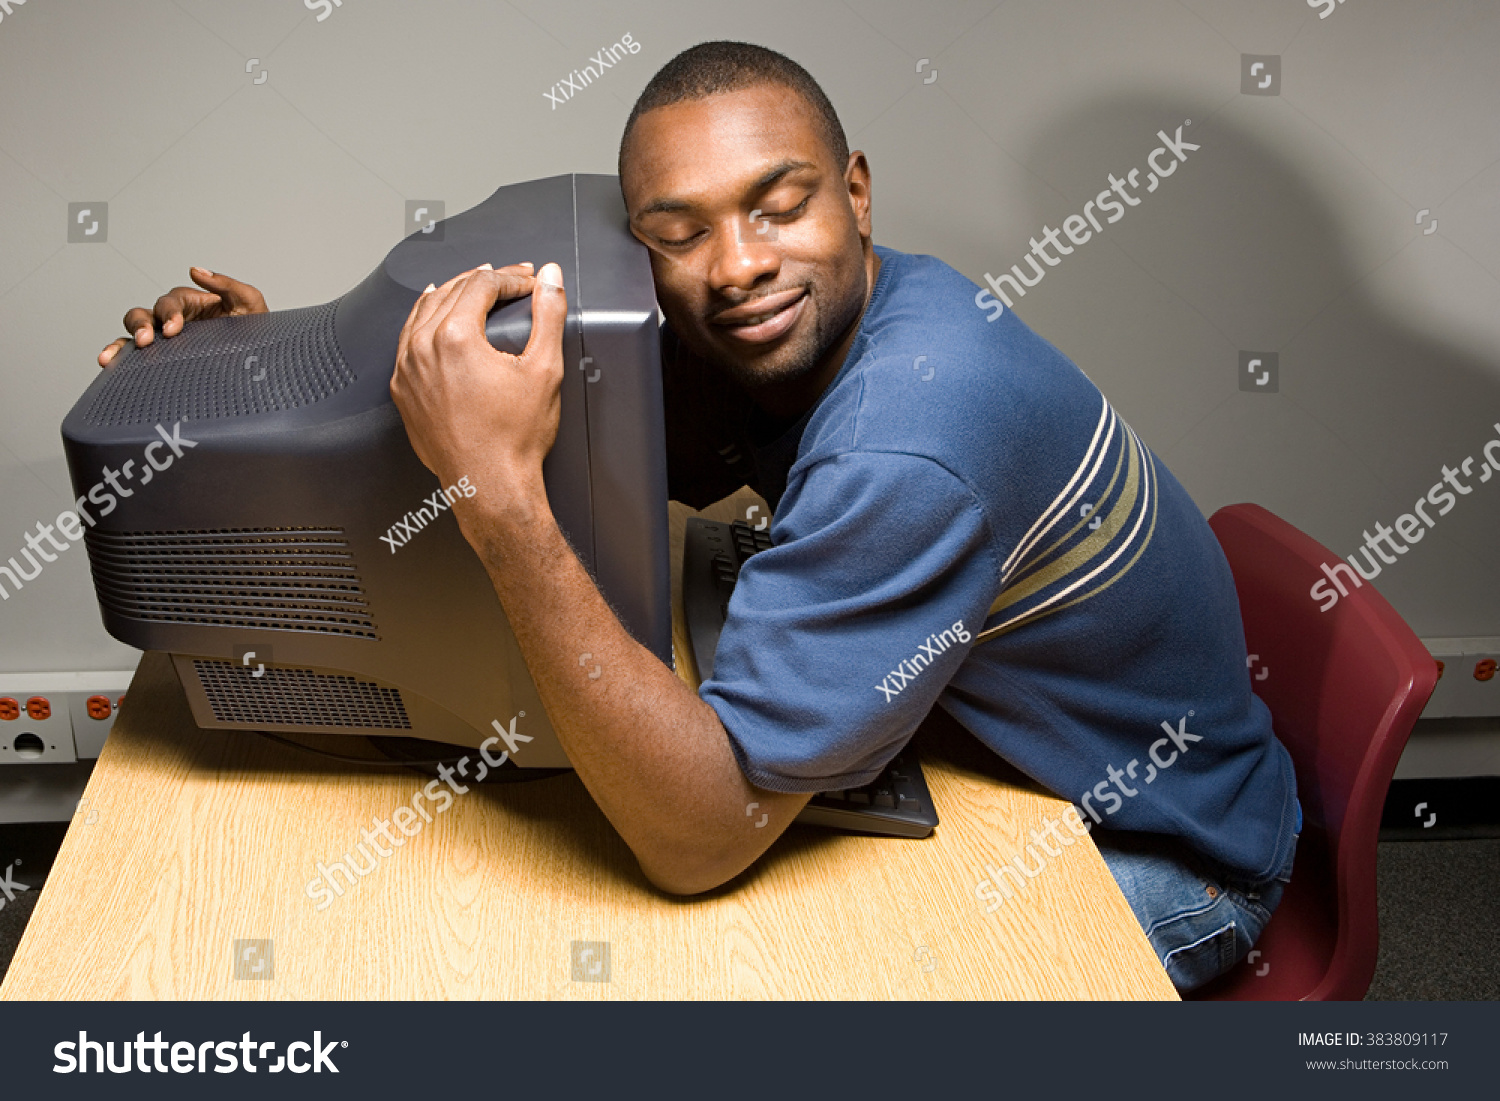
247	488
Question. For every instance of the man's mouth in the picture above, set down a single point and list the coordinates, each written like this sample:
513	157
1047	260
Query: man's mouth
765	319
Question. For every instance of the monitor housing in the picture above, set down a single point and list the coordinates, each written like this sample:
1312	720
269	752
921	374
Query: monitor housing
298	525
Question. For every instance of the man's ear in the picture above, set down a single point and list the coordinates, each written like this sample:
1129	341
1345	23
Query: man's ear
857	181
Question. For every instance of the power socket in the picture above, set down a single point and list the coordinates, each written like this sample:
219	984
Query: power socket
29	740
1469	686
53	718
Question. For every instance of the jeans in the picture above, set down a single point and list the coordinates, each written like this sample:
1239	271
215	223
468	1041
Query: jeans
1200	920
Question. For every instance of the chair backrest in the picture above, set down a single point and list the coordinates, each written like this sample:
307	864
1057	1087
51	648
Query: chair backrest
1344	686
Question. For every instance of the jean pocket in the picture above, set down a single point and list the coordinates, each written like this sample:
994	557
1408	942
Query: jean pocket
1192	965
1256	907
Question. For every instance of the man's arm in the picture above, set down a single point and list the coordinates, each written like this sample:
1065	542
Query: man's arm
653	755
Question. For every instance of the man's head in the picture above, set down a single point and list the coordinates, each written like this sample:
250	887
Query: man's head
736	174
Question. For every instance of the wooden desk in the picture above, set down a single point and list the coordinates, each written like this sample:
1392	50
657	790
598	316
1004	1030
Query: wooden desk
201	839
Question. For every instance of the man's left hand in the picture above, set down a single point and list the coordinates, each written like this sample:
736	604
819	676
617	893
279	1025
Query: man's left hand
469	409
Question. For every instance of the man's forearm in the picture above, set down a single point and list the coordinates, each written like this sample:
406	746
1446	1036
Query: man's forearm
653	755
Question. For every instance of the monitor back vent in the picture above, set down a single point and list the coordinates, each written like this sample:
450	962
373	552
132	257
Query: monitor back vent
280	579
298	698
225	367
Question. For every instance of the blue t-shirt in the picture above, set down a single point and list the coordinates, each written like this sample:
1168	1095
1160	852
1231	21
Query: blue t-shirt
966	521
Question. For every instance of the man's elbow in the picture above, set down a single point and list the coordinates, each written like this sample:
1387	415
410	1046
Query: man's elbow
683	887
692	873
691	862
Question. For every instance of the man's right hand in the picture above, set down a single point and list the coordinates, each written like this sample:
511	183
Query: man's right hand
221	297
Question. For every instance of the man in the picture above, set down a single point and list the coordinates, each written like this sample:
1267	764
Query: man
960	518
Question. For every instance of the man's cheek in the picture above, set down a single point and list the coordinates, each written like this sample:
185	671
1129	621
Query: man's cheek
674	277
682	312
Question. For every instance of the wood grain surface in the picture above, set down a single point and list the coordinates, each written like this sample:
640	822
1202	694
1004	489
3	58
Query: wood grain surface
204	838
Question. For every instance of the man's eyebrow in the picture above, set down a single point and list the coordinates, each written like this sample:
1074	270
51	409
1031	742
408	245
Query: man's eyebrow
664	206
774	174
766	179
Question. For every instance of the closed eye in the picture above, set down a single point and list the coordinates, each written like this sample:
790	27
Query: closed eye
786	213
757	214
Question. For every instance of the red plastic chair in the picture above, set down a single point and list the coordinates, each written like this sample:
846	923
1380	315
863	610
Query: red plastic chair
1344	687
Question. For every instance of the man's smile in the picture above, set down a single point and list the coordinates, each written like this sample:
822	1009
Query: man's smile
763	319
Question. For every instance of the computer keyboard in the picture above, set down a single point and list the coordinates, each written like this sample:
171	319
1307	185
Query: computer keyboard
896	803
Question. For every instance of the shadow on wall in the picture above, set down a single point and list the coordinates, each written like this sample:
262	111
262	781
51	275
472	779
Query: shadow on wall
1294	250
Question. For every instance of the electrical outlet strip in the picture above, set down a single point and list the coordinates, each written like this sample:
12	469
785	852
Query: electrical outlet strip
1469	686
55	718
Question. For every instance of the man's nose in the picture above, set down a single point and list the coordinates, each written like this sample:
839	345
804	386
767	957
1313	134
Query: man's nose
743	256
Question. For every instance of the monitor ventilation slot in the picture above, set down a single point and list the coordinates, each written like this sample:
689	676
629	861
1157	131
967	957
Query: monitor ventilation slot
298	698
276	579
226	367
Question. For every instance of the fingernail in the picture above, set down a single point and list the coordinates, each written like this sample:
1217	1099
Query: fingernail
527	264
201	271
430	288
486	267
141	334
550	274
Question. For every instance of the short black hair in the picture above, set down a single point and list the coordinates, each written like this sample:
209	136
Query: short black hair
712	68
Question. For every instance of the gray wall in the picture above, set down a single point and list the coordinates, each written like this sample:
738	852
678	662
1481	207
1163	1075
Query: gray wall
1293	229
